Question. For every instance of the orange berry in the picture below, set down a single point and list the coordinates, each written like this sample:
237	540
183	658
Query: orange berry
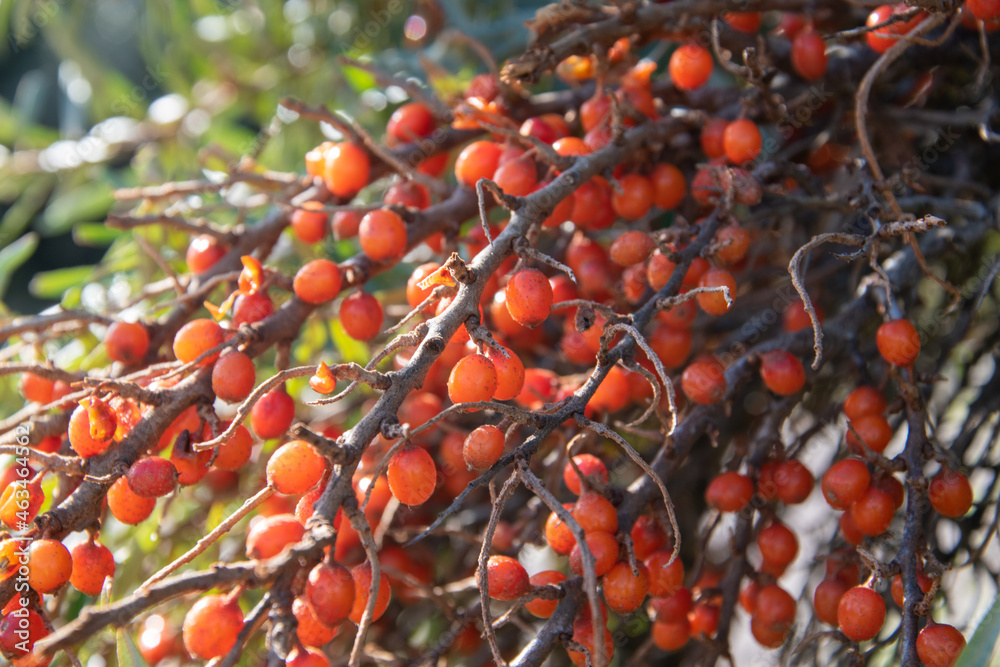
483	447
383	236
362	575
92	564
473	379
742	141
664	579
624	591
715	303
308	629
898	342
317	282
309	223
361	316
346	170
233	377
195	338
479	159
127	342
861	614
539	607
782	372
330	593
295	467
939	645
529	297
729	492
603	547
690	66
412	475
864	401
704	381
211	626
950	493
49	565
510	373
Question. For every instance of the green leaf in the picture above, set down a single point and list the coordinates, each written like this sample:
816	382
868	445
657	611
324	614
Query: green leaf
96	234
17	218
13	256
52	284
359	79
128	652
984	641
87	202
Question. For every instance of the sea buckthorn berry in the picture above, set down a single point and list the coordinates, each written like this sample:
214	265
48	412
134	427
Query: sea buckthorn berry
517	177
361	316
195	338
664	579
92	564
529	297
705	619
845	483
330	593
539	607
987	11
408	194
309	630
510	373
35	388
940	645
796	318
382	235
483	447
570	146
346	169
415	294
733	242
896	589
309	223
729	492
590	466
295	467
690	66
211	626
672	345
624	591
704	381
898	342
782	372
809	55
473	379
603	547
882	39
127	342
647	537
635	198
669	186
712	138
715	303
152	477
673	607
889	485
742	141
316	159
235	451
864	401
306	657
16	508
873	430
49	565
778	546
250	308
748	22
272	414
671	635
583	634
558	535
317	282
479	159
268	536
506	578
345	224
631	247
793	482
412	475
411	121
127	506
872	513
595	513
612	393
950	493
861	614
18	634
773	615
203	253
233	377
362	575
826	599
80	433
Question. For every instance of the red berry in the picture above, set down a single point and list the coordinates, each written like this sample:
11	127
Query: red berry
631	247
589	465
361	316
92	564
269	535
408	194
517	177
782	372
362	575
539	607
211	627
987	11
346	169
715	303
778	546
704	381
748	22
826	599
295	467
809	55
773	616
690	66
671	635
950	493
252	308
127	342
309	630
195	338
479	159
874	431
861	614
529	297
412	475
624	591
873	512
729	492
793	481
734	242
669	186
635	198
595	513
603	547
845	483
330	593
506	578
940	645
272	415
742	141
345	224
152	477
203	253
473	379
898	342
882	39
864	401
483	447
410	122
309	223
383	236
510	373
35	388
233	377
317	282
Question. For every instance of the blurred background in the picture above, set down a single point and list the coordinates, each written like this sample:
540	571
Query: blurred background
101	94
